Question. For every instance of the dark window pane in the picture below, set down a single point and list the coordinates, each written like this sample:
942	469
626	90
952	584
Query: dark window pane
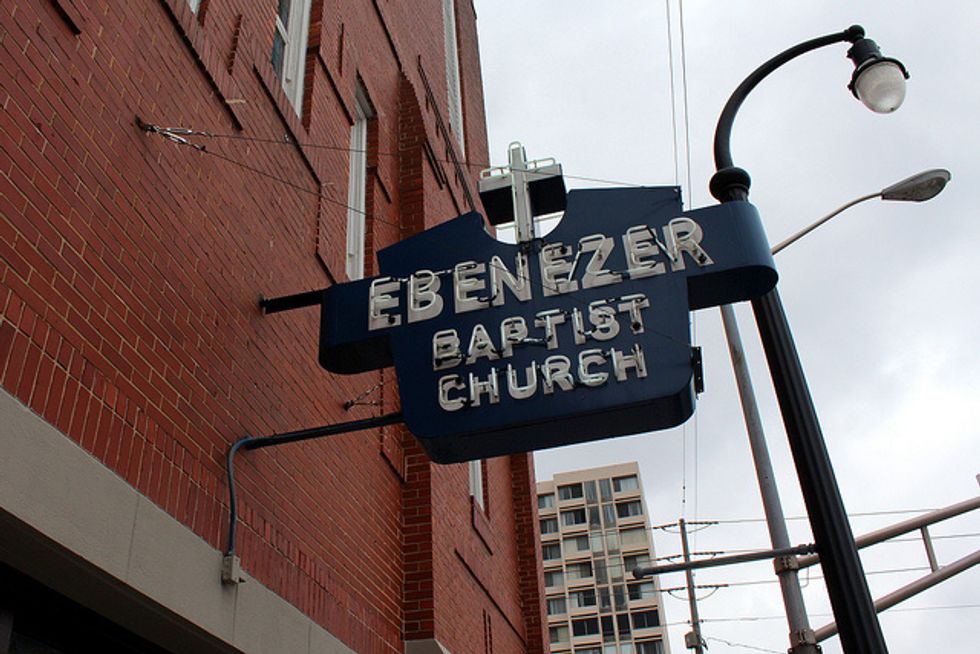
650	647
585	626
590	495
626	483
623	623
605	602
601	576
594	518
645	619
629	509
605	490
278	48
609	515
284	6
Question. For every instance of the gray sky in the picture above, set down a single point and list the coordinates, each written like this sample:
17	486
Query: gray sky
883	301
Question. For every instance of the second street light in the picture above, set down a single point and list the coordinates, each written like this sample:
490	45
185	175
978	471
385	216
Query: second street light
879	82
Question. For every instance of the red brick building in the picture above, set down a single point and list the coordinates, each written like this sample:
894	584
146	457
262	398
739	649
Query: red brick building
133	351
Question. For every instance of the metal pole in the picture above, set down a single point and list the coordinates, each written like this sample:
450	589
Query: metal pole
801	636
747	557
846	584
905	526
692	599
914	588
843	573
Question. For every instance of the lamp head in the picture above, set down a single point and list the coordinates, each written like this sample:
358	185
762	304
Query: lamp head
918	188
878	82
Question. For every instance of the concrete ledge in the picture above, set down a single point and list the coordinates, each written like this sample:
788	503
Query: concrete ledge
427	646
77	527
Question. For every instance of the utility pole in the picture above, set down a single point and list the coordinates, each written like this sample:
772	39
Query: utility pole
692	639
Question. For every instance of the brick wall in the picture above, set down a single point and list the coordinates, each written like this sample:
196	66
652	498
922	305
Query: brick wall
131	268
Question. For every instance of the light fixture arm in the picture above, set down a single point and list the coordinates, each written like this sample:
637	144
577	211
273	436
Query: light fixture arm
729	182
812	226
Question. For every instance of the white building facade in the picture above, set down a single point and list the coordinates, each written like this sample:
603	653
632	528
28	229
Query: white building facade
595	530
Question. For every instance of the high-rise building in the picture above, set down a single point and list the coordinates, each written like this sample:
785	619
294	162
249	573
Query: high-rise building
595	530
309	135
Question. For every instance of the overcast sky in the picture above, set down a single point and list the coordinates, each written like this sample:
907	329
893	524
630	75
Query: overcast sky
883	301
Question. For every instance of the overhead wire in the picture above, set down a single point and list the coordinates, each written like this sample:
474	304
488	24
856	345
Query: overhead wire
186	131
523	278
742	645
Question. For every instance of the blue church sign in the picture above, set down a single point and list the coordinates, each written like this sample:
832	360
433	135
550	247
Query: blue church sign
581	335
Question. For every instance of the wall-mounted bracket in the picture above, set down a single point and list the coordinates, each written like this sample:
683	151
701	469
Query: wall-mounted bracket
290	302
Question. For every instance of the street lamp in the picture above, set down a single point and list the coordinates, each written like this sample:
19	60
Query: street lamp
879	83
917	188
803	640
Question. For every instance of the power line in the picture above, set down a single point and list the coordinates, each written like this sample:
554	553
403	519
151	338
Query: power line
803	517
910	609
743	645
285	140
884	542
177	138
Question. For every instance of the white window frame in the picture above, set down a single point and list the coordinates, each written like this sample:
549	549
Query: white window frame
453	82
476	483
357	186
294	33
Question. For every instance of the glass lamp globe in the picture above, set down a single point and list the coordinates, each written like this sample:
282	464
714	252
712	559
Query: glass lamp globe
881	86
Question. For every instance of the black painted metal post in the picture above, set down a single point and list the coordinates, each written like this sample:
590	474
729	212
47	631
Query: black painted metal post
847	586
853	607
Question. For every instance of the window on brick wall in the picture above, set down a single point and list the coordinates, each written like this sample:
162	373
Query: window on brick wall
477	490
289	47
195	4
357	189
452	72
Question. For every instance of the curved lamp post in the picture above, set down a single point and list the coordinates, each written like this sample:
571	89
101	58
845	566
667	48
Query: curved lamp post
879	82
